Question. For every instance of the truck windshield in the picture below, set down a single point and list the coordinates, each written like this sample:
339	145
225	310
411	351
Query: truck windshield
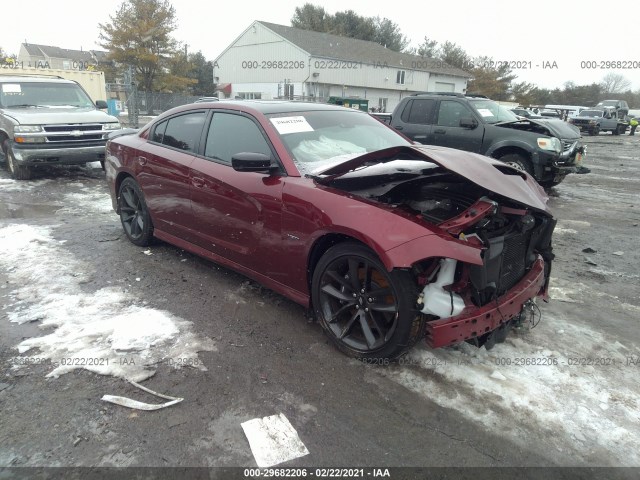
41	94
491	112
591	113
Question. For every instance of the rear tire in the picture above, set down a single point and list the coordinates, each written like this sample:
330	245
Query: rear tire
134	213
366	311
595	131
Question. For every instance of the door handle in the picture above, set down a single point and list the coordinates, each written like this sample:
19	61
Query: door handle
142	161
197	182
440	130
398	127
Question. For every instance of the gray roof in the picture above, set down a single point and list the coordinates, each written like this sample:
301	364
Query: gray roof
57	52
327	45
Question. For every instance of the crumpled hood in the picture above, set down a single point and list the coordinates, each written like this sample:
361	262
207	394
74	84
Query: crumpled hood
485	172
558	128
48	116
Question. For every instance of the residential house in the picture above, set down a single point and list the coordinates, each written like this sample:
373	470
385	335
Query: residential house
46	56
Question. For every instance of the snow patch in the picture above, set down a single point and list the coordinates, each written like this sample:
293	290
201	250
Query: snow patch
540	390
105	331
93	200
11	185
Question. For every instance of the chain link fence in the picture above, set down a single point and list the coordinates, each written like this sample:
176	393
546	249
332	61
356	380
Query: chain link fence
140	107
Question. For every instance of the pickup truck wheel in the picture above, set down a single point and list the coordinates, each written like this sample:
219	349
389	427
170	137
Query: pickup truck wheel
518	162
595	131
19	172
622	129
615	131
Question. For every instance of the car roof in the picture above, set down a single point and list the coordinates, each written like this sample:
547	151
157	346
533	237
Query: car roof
273	106
471	96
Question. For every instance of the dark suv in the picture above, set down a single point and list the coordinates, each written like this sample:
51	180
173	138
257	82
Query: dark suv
548	149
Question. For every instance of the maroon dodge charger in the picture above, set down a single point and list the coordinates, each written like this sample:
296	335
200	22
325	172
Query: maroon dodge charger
385	240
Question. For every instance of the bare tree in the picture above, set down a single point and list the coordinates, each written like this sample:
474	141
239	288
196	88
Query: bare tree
614	83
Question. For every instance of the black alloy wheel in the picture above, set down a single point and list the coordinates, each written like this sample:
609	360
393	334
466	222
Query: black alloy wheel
365	310
134	214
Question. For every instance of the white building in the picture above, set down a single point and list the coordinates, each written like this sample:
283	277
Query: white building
274	61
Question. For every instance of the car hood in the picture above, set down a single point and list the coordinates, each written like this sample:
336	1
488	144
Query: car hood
558	128
43	116
483	171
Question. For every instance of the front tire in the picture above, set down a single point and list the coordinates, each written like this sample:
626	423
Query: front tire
134	213
366	311
19	172
518	162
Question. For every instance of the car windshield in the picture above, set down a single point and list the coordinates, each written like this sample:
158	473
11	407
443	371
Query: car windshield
320	139
608	103
591	113
492	112
41	94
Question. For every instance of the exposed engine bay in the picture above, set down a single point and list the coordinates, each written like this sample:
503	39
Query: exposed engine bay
511	235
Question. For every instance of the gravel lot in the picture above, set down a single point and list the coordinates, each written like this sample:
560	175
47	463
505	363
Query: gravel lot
564	393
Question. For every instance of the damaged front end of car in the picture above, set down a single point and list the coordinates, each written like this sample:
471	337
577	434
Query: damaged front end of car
478	303
488	252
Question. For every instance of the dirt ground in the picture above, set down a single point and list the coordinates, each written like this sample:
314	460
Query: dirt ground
562	394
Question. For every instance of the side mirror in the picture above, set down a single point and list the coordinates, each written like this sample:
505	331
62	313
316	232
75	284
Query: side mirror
101	104
468	122
252	162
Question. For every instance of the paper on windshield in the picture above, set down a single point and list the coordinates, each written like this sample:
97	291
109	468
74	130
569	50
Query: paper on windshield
286	125
11	88
485	112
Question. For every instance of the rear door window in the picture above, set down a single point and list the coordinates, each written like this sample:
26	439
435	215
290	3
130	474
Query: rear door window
182	132
419	111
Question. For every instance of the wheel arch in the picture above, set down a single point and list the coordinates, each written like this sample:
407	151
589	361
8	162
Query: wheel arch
116	185
524	153
324	243
509	150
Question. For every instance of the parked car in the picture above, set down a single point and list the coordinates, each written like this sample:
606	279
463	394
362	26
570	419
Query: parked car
547	149
385	240
207	99
523	112
49	120
594	121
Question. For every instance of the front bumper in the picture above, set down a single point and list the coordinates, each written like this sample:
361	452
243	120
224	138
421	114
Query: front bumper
474	321
60	155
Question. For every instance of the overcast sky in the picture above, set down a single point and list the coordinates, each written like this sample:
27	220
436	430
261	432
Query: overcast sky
533	33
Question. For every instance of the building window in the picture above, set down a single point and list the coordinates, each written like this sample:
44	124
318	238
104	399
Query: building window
400	77
250	95
66	65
